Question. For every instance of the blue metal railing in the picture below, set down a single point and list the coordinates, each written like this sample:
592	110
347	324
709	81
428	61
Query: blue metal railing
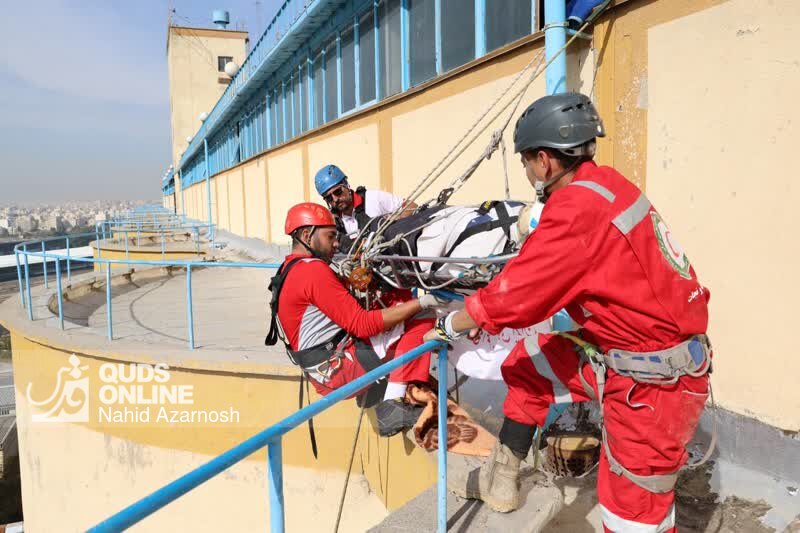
271	437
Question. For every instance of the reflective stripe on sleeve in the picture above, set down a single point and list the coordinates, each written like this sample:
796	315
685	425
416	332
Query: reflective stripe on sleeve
628	219
561	393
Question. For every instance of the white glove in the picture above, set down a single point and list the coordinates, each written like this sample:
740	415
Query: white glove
431	301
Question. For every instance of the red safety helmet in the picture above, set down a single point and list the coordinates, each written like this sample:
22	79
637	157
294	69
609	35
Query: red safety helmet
307	214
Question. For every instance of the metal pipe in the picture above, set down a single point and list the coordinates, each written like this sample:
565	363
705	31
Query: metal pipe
58	290
465	260
275	481
170	492
19	277
27	282
69	270
44	265
108	301
442	452
208	180
555	38
190	314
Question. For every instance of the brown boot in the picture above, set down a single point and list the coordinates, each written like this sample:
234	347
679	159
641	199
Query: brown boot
496	482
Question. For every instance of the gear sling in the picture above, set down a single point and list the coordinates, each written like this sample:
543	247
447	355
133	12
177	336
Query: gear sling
324	357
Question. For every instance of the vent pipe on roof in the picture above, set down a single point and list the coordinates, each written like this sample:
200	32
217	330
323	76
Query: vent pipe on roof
221	18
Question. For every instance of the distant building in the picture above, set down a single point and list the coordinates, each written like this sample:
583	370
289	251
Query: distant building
196	59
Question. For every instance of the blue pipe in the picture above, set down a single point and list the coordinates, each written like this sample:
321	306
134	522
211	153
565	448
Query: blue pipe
58	290
28	283
189	307
441	487
69	271
174	490
19	278
277	517
44	265
208	181
108	301
555	37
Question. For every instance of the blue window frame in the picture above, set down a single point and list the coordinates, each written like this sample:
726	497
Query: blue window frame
373	49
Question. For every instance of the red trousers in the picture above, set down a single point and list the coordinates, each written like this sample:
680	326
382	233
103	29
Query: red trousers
416	370
648	425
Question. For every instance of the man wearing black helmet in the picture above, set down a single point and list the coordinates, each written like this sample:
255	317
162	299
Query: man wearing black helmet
604	253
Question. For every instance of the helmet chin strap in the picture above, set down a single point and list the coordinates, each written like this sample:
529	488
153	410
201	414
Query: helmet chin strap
313	252
541	186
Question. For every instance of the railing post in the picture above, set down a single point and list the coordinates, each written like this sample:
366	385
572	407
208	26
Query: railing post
189	313
275	482
441	488
163	244
44	264
58	289
69	270
27	282
127	252
19	278
138	234
108	301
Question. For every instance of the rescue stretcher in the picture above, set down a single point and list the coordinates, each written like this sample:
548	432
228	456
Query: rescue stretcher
441	247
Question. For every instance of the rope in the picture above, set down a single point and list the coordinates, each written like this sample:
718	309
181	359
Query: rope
515	99
349	468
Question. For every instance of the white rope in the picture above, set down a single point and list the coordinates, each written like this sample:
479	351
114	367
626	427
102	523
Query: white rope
515	99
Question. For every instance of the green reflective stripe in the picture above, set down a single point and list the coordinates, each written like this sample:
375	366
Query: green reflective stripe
596	187
628	219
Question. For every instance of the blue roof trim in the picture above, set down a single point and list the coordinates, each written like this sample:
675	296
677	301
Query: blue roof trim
263	60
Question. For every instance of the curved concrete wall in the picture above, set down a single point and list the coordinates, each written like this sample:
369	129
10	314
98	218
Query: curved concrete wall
108	453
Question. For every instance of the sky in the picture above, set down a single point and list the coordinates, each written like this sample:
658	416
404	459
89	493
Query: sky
84	102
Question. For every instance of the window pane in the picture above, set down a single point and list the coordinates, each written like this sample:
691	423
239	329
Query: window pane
331	97
389	21
287	87
304	97
458	33
507	21
348	71
279	137
366	38
318	94
273	110
296	93
422	43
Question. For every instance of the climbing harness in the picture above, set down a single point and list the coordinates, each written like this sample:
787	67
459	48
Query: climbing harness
662	367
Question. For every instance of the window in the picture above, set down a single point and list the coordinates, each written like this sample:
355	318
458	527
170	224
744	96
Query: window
507	21
296	89
222	61
304	88
458	33
279	122
366	57
389	22
331	83
273	118
348	71
422	42
318	90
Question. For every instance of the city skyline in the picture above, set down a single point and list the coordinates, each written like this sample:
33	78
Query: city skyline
84	111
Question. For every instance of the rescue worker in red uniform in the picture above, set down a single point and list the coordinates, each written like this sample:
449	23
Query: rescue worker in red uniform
330	336
604	253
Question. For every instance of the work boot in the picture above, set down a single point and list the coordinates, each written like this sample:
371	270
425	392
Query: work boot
496	482
395	416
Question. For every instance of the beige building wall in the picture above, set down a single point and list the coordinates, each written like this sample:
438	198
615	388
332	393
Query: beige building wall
195	83
698	135
722	142
256	199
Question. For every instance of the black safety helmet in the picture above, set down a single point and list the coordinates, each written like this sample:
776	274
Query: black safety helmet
560	121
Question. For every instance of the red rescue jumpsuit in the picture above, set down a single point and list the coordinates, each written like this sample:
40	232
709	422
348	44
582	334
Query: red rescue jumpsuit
314	306
603	252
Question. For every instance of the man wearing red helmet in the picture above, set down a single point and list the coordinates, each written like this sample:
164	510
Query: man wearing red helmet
329	335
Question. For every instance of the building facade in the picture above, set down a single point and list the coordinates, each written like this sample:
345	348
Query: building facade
689	90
